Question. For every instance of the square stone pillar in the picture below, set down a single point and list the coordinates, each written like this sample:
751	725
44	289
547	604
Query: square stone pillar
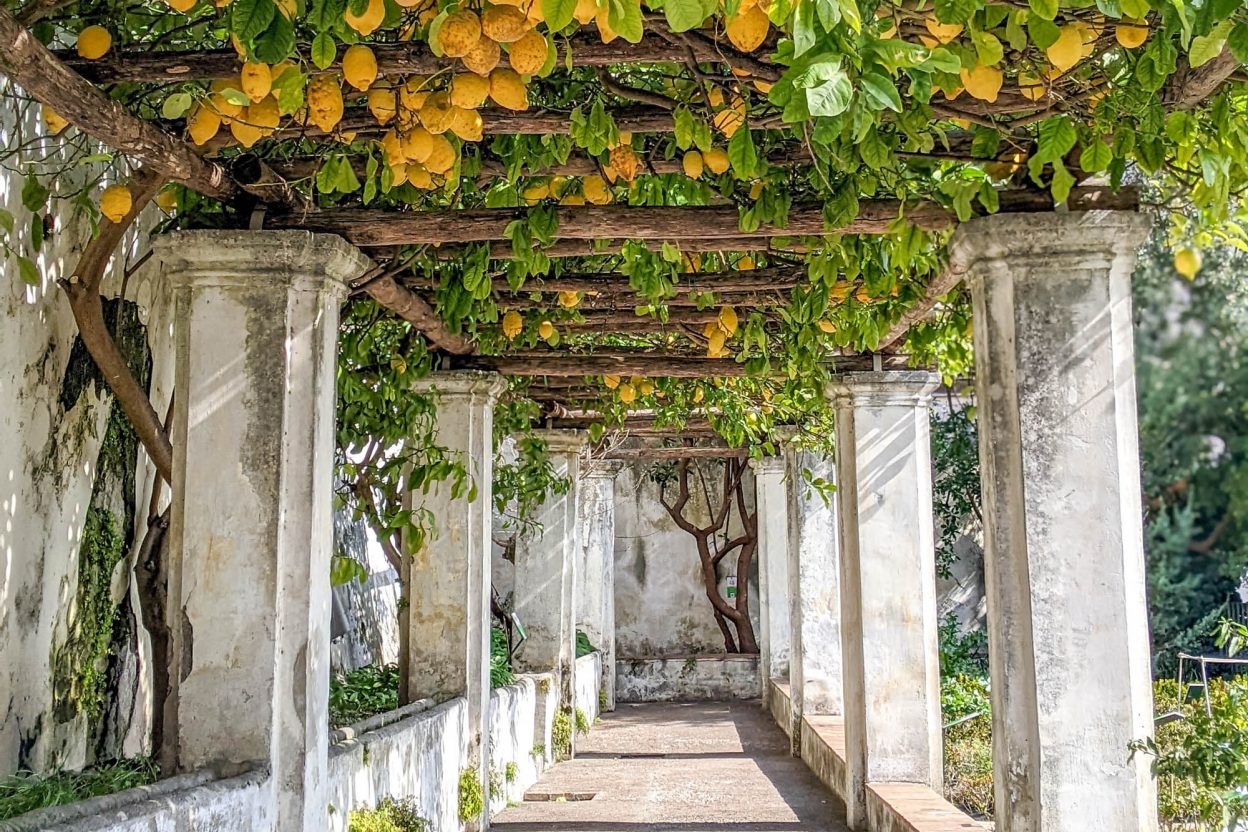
890	657
771	505
255	331
448	580
815	680
1063	538
545	573
595	597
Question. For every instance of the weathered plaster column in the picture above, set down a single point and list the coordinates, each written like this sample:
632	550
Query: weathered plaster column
1063	550
545	582
448	616
256	330
595	597
772	509
888	583
815	591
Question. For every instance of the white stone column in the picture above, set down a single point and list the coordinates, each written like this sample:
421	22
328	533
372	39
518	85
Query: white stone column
815	681
256	330
595	598
888	583
771	506
1063	550
545	582
448	581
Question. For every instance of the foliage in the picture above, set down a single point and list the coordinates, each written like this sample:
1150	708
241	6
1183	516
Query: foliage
471	795
956	495
968	762
581	722
510	771
1192	378
359	694
962	654
500	659
561	735
583	647
26	791
1201	761
390	816
962	696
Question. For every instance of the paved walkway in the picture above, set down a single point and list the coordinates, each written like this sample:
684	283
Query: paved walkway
710	767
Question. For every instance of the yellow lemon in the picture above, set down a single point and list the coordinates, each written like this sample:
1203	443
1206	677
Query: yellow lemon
508	90
370	20
943	32
727	320
569	300
467	124
611	382
359	67
545	329
716	160
459	33
748	29
528	54
203	124
256	80
586	10
1187	262
513	324
1131	33
595	190
183	6
1031	87
383	104
692	164
469	90
443	156
325	102
483	57
1067	50
94	43
53	120
116	202
626	392
983	82
503	24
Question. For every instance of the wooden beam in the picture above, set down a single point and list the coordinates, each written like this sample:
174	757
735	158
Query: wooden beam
31	66
393	59
625	304
686	452
373	227
412	308
649	364
608	284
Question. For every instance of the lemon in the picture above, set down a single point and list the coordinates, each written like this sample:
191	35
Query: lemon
94	43
626	392
611	382
508	90
692	164
569	300
983	82
183	6
116	202
943	32
528	54
586	10
53	120
715	343
359	67
625	162
748	29
417	145
256	80
1031	87
483	58
459	33
370	20
727	320
443	156
1187	262
1131	33
512	325
595	190
1067	50
503	24
244	132
827	326
325	102
437	113
546	329
383	104
469	90
716	160
467	124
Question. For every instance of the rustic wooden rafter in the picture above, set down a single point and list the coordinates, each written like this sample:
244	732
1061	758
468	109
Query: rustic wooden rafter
678	452
611	284
655	365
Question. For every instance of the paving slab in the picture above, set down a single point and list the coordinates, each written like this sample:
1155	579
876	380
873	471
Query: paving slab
706	766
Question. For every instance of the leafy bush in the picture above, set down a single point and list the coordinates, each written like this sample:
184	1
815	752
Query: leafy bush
961	696
1201	761
968	766
955	488
561	735
583	647
471	795
25	791
390	816
962	655
362	693
500	660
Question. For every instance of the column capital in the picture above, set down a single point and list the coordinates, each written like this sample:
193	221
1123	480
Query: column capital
294	260
563	441
910	388
768	465
475	385
1088	235
607	469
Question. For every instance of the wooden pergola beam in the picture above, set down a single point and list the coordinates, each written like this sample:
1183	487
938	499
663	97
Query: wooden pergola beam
608	284
393	59
622	304
372	227
688	452
414	309
649	364
30	65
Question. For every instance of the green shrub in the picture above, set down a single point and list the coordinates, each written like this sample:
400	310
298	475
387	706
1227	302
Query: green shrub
500	660
25	792
962	655
582	722
961	696
362	693
510	771
968	766
583	647
471	795
390	816
561	735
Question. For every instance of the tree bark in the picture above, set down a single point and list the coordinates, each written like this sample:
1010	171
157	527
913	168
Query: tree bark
30	65
412	308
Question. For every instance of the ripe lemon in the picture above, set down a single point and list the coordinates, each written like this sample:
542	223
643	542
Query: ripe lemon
595	190
443	157
1031	87
1131	33
469	90
727	320
626	392
692	164
94	43
748	29
459	33
1187	262
417	145
716	160
569	300
256	80
546	329
324	102
503	24
512	325
359	67
1067	50
244	132
586	10
625	162
53	120
611	382
183	6
116	202
508	90
383	104
528	55
983	82
943	32
483	58
370	20
467	124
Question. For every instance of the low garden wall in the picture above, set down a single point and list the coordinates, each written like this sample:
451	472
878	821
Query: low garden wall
587	681
687	679
521	719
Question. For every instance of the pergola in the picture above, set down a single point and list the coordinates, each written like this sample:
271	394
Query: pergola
257	321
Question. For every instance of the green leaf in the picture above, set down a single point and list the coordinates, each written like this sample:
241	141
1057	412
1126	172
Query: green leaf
1063	181
1207	47
1014	32
804	35
944	60
1237	40
6	220
625	18
683	128
28	271
1057	137
988	48
235	97
1044	8
828	88
277	42
1134	9
742	154
248	18
683	15
558	13
881	90
1043	33
1095	157
324	51
955	11
34	195
874	151
289	91
176	105
344	569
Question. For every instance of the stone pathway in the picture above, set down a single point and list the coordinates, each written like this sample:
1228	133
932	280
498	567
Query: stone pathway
710	767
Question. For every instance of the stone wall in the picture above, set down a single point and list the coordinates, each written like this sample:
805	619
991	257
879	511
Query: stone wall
687	679
660	600
57	609
587	684
521	718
